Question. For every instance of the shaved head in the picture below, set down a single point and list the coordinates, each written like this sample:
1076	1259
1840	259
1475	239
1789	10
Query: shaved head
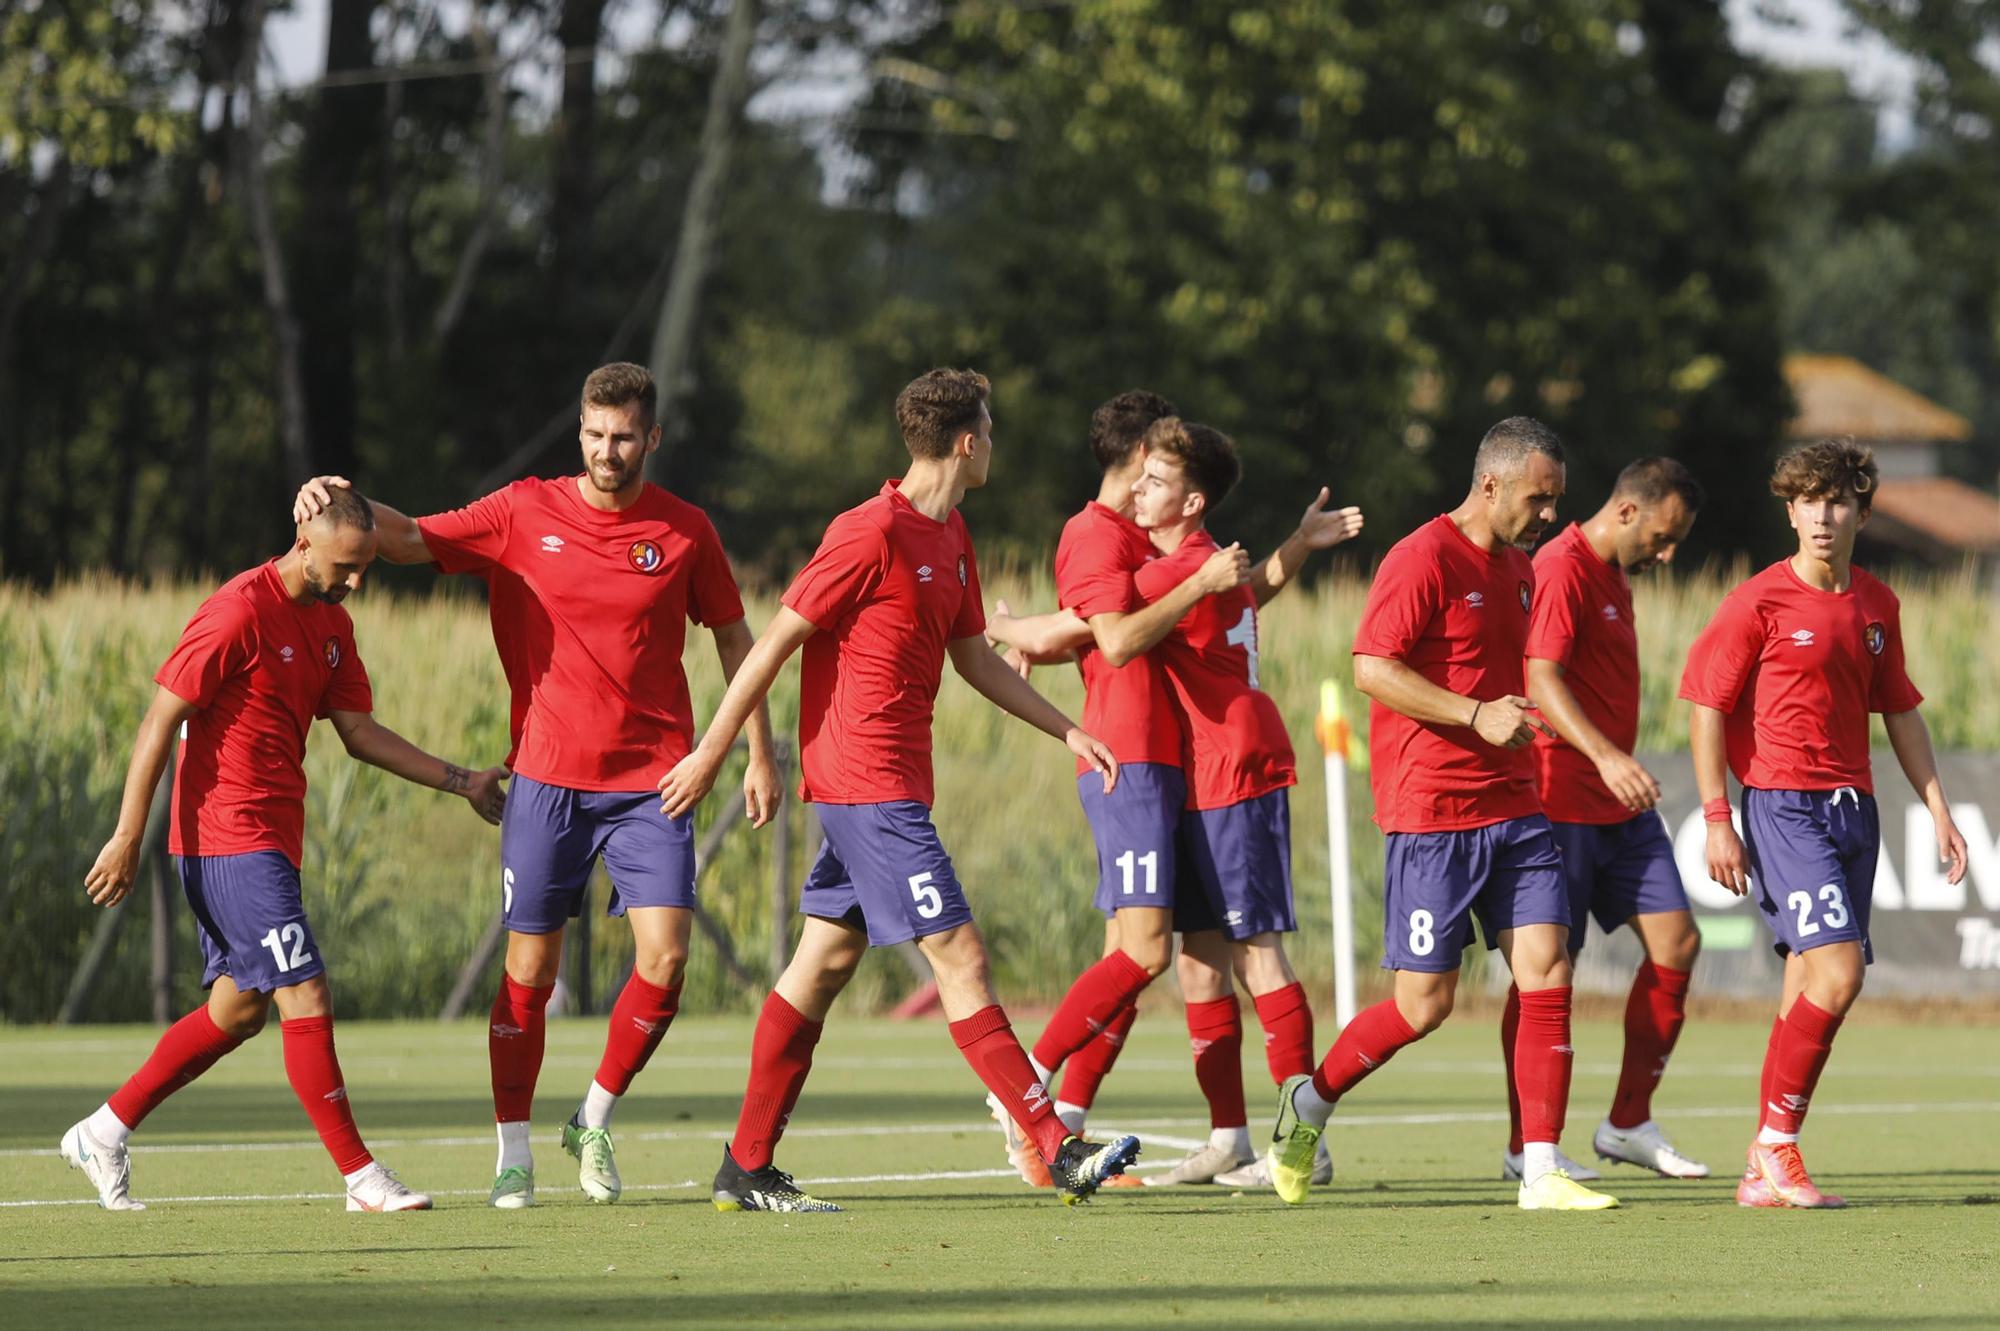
1508	446
345	507
337	544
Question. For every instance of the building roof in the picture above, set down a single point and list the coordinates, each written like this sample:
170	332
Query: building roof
1838	395
1947	512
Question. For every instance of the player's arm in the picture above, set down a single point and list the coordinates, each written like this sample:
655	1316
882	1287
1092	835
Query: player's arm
1319	529
1911	739
995	681
1708	744
1125	635
377	745
1504	722
110	878
397	537
1625	775
761	791
694	776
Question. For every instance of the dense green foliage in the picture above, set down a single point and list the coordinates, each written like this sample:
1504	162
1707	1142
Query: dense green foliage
401	882
1417	1230
1351	233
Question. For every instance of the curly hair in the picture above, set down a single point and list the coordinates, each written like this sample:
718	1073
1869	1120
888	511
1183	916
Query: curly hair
1119	423
1827	467
621	384
934	409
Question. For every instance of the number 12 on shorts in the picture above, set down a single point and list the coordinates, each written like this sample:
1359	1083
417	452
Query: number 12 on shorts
277	939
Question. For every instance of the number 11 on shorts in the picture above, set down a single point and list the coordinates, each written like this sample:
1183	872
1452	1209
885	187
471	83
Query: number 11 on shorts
1129	863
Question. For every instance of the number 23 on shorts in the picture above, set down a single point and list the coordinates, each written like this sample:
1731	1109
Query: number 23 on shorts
1833	915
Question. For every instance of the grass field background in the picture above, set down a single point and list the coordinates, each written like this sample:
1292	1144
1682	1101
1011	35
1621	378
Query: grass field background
1417	1230
400	882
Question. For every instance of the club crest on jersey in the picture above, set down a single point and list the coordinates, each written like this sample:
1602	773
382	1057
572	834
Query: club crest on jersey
645	556
331	652
961	570
1526	596
1874	638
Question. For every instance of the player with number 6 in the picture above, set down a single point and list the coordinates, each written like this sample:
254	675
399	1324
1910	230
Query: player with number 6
1782	682
1439	652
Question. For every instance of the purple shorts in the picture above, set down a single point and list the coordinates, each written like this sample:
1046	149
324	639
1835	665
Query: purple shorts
1435	883
252	923
1135	828
551	838
882	868
1616	871
1236	868
1812	860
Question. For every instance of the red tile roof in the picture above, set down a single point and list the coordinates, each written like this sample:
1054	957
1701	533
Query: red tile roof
1839	395
1947	511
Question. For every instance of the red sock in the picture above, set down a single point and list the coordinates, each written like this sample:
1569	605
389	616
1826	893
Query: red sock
1770	1068
1215	1033
1542	1062
1287	1020
987	1041
639	1021
314	1072
781	1054
1088	1066
514	1047
189	1048
1089	1006
1802	1051
1510	1031
1366	1043
1653	1017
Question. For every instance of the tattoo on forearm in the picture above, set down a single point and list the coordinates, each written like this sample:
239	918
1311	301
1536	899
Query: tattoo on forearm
456	779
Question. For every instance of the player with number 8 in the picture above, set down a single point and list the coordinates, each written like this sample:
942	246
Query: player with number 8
1439	653
1782	682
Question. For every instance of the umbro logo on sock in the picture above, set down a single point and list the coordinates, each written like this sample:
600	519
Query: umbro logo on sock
1200	1047
336	1095
504	1031
1368	1062
1036	1098
645	1027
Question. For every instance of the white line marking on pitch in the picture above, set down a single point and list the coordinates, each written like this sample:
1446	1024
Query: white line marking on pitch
947	1130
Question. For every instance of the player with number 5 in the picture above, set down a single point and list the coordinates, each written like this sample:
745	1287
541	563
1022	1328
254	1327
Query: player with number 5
1782	682
1439	652
265	655
892	591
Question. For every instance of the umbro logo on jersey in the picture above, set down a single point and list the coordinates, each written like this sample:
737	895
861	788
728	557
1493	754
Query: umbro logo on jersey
924	573
1802	638
552	545
1477	600
1611	612
285	652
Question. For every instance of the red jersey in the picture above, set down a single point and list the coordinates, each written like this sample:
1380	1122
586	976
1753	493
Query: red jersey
1237	748
523	639
1582	621
1127	707
1798	670
609	710
260	667
888	589
1458	616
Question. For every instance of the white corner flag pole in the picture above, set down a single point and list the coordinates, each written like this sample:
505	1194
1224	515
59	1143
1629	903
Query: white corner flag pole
1334	738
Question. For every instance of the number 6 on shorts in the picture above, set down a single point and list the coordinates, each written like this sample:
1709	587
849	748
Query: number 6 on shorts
929	904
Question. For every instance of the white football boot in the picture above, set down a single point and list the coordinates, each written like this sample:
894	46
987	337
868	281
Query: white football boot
378	1189
1646	1147
109	1168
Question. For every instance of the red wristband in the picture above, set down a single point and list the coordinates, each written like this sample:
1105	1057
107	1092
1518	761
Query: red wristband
1716	810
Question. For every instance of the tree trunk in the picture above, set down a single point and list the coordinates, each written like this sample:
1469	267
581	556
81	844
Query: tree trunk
672	359
15	283
572	206
492	151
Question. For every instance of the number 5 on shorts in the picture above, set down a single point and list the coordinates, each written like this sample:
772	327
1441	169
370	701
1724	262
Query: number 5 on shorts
929	904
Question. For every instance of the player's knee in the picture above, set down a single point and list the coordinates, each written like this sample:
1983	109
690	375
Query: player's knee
1427	1010
661	967
1679	953
1151	953
244	1022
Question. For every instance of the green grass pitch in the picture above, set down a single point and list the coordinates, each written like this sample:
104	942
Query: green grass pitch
1416	1231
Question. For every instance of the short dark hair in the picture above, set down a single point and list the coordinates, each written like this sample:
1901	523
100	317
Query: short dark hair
1648	481
1507	445
1206	454
1120	423
934	409
1827	467
347	507
620	384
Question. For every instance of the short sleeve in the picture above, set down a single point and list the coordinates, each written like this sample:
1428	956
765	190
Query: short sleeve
469	539
1891	690
713	598
849	565
1558	595
971	620
220	641
1156	577
1091	579
1402	601
347	688
1720	662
